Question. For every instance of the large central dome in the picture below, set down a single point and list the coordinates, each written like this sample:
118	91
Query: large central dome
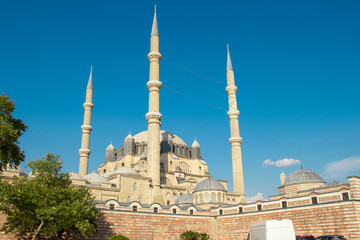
164	136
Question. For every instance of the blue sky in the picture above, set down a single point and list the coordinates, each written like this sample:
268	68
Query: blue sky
296	67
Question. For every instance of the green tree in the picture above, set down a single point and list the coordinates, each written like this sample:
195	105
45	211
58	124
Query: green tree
47	206
190	235
10	131
118	237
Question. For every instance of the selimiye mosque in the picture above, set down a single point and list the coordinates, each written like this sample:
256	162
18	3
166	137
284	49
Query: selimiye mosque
157	166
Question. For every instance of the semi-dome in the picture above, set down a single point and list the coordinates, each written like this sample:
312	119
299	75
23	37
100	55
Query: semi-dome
209	184
185	199
164	136
303	176
74	176
126	170
96	178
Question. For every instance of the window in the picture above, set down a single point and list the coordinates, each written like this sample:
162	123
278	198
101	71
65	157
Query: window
113	185
314	200
206	197
174	211
162	167
123	164
156	210
345	196
191	212
213	197
284	204
134	208
135	186
168	202
220	212
259	207
104	171
112	206
140	199
162	180
240	210
129	199
185	167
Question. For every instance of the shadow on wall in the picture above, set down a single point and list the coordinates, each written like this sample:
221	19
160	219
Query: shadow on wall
104	229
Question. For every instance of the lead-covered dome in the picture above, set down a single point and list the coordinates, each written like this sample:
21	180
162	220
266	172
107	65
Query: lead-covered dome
96	178
187	198
73	176
209	184
164	136
126	170
303	176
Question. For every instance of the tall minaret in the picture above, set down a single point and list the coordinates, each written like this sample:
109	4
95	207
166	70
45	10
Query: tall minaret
154	116
235	139
84	151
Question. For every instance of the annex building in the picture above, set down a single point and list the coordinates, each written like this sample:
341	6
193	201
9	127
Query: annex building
155	186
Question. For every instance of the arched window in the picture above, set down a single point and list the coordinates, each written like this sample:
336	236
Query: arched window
139	150
219	197
201	198
207	198
185	167
123	164
168	195
129	199
213	197
140	199
104	171
173	149
181	151
135	186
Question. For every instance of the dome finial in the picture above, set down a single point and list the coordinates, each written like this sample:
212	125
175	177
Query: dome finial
155	8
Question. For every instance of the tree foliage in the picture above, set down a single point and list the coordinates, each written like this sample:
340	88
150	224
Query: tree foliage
190	235
47	206
10	131
118	237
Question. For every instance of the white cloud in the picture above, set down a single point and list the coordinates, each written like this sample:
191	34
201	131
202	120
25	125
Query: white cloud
285	162
342	168
258	196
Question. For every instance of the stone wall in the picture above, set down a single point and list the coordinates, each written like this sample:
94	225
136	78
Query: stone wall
342	217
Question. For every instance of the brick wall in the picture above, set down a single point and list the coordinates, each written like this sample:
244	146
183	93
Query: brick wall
331	218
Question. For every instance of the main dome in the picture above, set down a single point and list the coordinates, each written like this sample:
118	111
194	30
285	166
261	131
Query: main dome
164	136
209	184
303	176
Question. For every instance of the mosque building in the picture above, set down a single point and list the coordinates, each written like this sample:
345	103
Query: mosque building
156	165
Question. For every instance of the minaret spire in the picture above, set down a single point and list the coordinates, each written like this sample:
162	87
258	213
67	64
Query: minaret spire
84	151
154	116
154	30
235	139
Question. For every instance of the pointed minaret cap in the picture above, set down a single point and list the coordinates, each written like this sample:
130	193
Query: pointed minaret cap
110	147
229	64
154	30
90	85
129	137
195	144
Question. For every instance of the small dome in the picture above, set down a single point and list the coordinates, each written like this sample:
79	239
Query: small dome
74	176
303	176
209	184
110	147
185	199
195	144
10	168
96	178
129	138
143	156
126	170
